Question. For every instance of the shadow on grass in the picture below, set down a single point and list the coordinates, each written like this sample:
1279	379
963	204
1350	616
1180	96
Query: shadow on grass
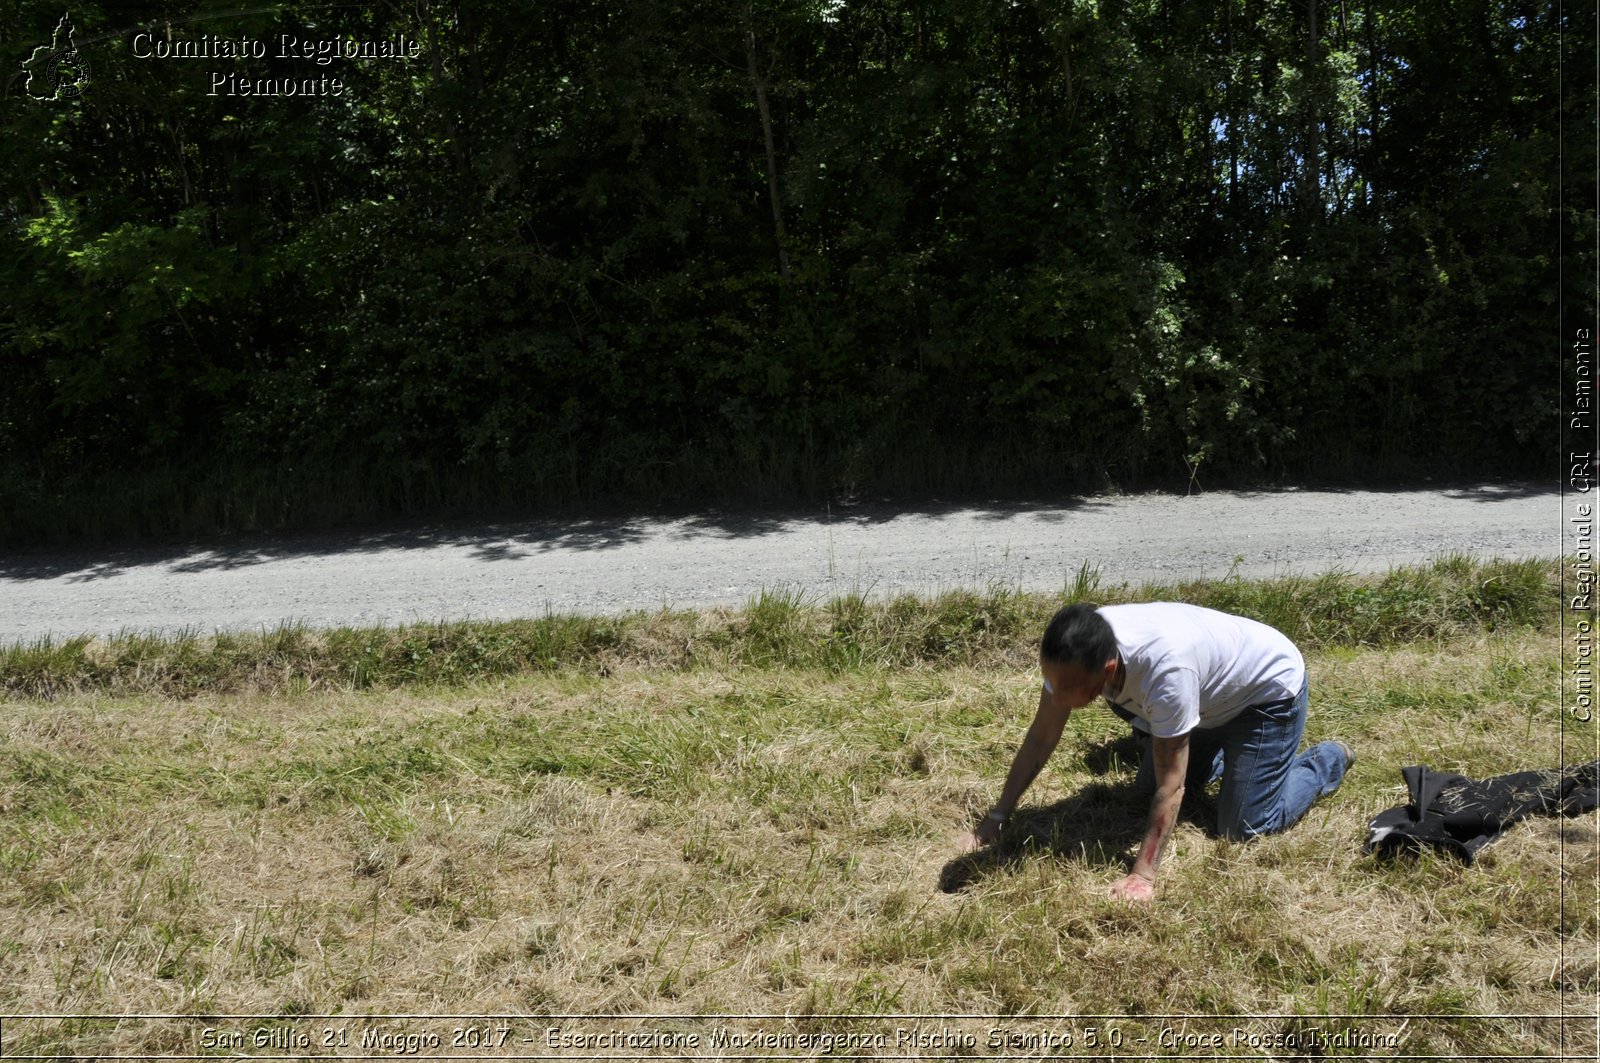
1096	826
1114	754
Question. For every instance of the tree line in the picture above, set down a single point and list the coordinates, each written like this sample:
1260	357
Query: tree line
635	252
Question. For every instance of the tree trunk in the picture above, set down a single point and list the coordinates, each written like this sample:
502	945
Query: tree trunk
759	83
1232	104
1310	194
451	125
1375	61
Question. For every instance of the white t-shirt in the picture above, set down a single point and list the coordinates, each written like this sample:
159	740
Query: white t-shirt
1188	666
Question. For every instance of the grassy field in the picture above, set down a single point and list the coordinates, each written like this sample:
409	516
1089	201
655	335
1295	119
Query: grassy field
754	814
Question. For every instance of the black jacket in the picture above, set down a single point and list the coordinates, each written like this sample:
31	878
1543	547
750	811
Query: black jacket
1460	816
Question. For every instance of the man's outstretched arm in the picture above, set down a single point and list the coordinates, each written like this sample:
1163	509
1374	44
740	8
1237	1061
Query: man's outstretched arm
1172	766
1041	740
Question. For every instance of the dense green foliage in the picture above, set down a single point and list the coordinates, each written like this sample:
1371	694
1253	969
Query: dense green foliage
654	250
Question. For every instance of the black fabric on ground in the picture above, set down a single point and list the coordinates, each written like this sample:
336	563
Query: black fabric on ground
1458	815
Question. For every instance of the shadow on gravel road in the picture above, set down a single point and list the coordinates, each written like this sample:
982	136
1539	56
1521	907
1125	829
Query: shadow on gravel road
502	541
513	540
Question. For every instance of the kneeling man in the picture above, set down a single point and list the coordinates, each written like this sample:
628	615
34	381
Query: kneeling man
1218	695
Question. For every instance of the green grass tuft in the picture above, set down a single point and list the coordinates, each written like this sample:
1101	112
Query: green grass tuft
780	628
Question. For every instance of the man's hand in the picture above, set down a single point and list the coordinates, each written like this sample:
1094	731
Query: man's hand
1135	889
987	830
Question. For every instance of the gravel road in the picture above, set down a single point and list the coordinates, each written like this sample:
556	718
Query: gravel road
608	566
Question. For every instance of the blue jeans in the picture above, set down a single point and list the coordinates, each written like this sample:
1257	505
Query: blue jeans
1266	784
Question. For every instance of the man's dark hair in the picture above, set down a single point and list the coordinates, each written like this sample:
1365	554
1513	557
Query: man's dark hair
1079	635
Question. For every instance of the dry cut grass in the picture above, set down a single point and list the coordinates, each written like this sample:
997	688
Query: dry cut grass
771	842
